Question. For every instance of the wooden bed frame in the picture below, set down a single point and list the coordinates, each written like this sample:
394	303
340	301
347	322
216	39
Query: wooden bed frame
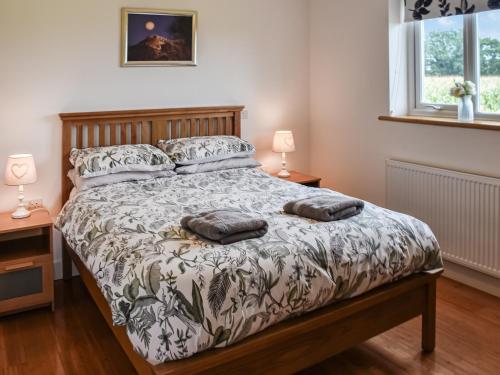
287	347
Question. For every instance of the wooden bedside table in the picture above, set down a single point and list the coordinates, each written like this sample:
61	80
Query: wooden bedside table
302	179
26	268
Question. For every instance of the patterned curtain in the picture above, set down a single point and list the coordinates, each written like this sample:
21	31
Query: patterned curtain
417	10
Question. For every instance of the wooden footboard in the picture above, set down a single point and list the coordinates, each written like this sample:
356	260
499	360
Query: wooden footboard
301	342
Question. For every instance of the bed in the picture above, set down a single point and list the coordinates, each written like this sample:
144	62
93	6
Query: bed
281	303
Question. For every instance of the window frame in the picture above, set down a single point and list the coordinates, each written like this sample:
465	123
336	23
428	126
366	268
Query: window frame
471	72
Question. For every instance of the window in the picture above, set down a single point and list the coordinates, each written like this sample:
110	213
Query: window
457	48
488	25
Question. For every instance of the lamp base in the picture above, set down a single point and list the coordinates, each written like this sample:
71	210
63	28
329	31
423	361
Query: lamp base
20	213
284	174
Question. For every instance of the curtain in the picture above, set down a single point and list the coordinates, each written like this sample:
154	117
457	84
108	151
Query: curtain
417	10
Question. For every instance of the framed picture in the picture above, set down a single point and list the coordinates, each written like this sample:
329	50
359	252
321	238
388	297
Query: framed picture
152	37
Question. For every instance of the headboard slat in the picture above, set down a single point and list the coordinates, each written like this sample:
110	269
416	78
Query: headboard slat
79	135
203	127
112	134
145	132
171	129
222	126
192	127
229	125
102	134
134	128
123	133
212	126
237	124
90	134
184	128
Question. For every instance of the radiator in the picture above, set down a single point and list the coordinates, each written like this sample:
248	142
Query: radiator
462	209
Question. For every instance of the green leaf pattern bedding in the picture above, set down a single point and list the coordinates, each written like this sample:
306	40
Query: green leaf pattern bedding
178	295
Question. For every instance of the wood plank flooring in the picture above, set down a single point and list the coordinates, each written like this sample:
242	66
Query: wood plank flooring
76	340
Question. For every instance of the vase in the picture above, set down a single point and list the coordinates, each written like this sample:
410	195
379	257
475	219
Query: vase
465	109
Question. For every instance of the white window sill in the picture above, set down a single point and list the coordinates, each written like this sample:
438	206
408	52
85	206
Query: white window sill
443	121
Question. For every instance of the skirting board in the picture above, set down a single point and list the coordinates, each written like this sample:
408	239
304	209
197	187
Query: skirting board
474	279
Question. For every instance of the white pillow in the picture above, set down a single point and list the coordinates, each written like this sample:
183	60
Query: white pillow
219	165
82	184
198	150
100	161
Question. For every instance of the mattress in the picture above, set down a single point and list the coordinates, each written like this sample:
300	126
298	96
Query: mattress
179	295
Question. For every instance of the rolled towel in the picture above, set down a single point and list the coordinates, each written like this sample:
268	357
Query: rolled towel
225	226
325	207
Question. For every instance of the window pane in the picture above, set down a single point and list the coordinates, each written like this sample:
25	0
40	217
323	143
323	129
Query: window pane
489	41
443	42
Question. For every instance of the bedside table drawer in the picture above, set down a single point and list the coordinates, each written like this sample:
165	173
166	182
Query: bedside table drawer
25	283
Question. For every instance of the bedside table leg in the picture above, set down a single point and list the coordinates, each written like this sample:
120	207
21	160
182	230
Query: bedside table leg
66	262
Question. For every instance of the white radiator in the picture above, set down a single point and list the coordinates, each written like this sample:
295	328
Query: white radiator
462	209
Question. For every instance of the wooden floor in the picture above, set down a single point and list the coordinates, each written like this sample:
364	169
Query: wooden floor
76	340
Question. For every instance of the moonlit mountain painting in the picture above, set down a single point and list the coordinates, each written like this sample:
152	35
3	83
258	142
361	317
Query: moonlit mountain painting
160	38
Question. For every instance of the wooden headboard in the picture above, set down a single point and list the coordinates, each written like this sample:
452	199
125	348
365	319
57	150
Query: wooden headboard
148	126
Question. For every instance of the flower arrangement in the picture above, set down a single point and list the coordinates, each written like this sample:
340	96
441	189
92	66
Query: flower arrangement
460	89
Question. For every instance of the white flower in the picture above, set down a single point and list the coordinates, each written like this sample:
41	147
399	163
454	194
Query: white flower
470	88
462	89
457	91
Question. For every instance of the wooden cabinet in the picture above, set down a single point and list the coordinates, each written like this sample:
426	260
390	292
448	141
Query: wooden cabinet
26	266
303	179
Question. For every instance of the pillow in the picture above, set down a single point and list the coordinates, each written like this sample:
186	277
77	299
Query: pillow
219	165
82	184
100	161
198	150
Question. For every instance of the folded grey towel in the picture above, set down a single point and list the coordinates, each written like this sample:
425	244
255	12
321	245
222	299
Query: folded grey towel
225	226
325	207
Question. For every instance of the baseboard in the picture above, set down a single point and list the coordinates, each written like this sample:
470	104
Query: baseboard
474	279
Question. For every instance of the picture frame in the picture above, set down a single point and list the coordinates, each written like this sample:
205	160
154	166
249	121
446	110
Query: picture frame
158	37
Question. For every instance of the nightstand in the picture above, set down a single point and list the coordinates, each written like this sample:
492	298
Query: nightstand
302	179
26	268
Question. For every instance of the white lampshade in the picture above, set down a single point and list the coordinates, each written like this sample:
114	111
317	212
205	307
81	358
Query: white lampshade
20	170
283	141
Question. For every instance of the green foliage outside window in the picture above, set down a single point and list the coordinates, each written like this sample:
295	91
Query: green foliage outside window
444	64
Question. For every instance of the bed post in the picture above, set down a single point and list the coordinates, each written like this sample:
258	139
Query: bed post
67	266
65	190
429	318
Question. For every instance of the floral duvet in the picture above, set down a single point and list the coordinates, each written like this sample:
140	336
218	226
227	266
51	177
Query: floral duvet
178	295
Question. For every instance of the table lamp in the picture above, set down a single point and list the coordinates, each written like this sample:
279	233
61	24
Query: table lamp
20	171
283	142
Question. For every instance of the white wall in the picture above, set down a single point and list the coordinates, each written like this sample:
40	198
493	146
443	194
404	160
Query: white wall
63	56
349	46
